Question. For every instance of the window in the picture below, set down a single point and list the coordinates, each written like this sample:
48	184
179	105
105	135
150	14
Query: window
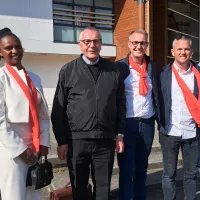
183	18
70	17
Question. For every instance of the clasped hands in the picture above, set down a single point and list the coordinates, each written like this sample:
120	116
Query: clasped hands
30	158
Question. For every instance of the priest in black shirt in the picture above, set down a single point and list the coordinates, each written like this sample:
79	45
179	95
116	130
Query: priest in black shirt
88	117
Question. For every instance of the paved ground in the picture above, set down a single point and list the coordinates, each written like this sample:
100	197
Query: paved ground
154	191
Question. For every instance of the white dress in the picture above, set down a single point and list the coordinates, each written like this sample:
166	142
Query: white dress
14	171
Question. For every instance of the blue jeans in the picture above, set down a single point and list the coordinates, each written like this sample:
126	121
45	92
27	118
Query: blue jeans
133	163
190	150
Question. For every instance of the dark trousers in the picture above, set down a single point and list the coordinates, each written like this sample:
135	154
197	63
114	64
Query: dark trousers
133	163
190	150
94	154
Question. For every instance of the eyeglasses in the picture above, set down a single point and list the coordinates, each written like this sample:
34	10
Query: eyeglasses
89	42
136	43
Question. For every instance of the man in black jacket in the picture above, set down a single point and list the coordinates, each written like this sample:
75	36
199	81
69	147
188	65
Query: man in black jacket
88	111
142	110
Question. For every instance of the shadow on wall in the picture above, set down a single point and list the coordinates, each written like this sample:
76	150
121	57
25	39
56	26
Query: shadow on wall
118	9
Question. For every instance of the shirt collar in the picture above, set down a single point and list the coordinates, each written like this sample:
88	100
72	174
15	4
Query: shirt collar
186	72
87	61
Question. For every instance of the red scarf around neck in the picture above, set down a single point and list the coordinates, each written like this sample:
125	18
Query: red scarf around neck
143	85
192	103
31	94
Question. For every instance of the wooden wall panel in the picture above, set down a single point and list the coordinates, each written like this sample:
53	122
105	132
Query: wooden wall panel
160	41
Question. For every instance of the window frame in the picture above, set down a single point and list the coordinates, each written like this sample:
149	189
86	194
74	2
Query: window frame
93	7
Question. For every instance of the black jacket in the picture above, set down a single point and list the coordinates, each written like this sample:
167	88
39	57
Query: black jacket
151	70
84	108
165	86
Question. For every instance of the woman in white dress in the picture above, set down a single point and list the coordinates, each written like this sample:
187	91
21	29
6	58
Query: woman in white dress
24	121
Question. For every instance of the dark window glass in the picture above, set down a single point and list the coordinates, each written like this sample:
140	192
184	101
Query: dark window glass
105	20
63	33
69	23
169	60
185	8
64	1
107	36
104	3
65	6
196	2
84	2
183	24
64	16
82	16
195	45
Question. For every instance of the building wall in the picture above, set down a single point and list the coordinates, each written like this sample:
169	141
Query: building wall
160	41
47	67
126	20
32	22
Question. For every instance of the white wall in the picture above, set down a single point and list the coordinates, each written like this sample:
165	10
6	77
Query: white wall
32	22
47	67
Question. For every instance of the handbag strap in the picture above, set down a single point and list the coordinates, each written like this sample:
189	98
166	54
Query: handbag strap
39	156
68	184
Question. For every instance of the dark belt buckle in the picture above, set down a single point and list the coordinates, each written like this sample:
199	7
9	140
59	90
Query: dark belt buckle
138	118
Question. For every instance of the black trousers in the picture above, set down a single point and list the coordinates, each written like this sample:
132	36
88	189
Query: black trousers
97	156
190	150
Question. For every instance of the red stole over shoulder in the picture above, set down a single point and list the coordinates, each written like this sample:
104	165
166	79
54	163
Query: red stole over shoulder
192	103
31	94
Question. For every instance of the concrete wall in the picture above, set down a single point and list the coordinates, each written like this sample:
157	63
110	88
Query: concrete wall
47	67
32	22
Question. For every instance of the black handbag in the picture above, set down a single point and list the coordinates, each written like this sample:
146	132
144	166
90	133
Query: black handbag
39	174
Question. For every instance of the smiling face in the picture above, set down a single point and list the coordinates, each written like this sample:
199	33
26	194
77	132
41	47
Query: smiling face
182	51
11	50
90	44
137	44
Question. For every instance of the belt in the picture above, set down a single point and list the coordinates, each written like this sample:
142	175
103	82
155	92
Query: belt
139	118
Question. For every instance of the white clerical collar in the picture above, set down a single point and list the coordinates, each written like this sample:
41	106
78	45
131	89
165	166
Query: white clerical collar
87	61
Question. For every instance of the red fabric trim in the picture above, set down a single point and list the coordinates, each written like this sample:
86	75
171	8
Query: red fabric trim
31	94
143	85
192	102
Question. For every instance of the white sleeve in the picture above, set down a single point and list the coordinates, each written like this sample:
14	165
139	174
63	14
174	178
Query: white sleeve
44	123
9	139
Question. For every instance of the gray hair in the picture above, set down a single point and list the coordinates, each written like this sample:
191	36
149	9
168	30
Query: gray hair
141	31
91	28
182	38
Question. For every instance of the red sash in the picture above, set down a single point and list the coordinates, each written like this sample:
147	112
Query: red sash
192	103
143	85
31	94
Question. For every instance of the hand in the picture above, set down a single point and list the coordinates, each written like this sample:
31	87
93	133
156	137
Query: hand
28	157
119	144
44	150
62	151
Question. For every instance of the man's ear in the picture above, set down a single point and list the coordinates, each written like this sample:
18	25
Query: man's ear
172	52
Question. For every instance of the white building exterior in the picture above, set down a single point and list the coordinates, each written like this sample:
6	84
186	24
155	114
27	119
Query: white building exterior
32	22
